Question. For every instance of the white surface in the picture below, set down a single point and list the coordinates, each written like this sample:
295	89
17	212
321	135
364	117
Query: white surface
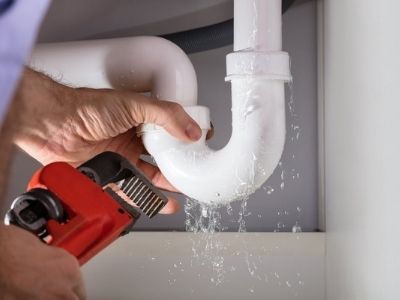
362	108
160	265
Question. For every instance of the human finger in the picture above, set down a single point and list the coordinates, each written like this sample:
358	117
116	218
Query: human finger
169	115
155	176
171	207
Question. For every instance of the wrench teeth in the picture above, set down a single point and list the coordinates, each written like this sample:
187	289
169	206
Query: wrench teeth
143	194
112	168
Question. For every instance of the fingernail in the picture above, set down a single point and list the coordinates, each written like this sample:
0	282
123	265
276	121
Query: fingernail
193	132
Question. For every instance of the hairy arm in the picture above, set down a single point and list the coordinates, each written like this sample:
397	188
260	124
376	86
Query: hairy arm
64	123
53	122
30	269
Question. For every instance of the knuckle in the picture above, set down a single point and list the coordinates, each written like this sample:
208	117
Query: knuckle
68	262
138	110
72	265
67	295
61	253
174	108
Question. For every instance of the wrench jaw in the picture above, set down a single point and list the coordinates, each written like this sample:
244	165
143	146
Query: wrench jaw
111	168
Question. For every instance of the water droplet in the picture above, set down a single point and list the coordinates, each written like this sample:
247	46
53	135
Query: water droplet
296	228
282	185
288	284
204	212
229	209
268	189
280	225
250	109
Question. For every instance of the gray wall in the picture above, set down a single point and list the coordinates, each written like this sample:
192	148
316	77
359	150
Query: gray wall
282	208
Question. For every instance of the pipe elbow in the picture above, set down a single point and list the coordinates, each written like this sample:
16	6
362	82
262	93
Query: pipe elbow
244	164
153	64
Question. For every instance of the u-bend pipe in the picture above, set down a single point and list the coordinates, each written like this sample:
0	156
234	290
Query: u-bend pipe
257	71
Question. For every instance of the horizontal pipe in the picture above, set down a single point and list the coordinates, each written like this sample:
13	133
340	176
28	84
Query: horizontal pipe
141	64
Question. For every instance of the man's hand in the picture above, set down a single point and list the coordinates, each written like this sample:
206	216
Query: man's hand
29	269
60	123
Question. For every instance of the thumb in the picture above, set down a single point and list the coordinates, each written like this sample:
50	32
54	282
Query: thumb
170	115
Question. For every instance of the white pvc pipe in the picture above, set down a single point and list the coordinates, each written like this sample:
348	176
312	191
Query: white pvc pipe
142	64
258	105
243	165
258	25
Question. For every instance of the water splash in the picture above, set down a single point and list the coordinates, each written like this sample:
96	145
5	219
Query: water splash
205	220
269	189
207	249
296	228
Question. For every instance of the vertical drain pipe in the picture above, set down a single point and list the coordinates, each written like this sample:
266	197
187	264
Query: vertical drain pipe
257	25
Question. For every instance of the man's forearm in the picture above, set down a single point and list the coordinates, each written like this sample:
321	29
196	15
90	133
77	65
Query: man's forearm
19	120
42	102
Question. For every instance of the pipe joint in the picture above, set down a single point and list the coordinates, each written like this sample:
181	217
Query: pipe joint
268	65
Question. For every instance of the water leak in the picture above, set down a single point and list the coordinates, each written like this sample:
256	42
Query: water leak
205	220
296	228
